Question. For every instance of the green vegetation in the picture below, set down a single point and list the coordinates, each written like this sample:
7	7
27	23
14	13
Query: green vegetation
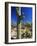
27	33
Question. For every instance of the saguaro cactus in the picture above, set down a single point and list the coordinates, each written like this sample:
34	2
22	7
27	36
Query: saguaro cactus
18	10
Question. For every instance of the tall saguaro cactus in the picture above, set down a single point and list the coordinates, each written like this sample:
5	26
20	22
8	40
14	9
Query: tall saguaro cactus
18	10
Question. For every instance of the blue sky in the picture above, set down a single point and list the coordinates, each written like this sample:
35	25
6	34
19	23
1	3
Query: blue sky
13	15
26	11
